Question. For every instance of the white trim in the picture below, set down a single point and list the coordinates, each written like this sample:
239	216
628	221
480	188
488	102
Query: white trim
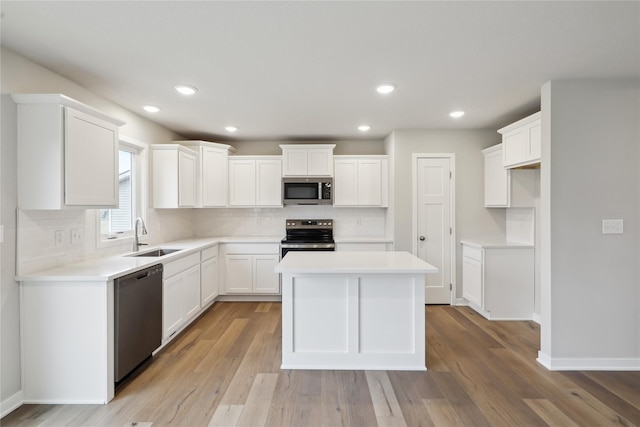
536	318
452	211
11	403
141	149
461	302
588	364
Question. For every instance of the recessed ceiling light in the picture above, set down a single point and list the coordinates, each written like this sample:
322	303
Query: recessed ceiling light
186	89
456	114
231	129
151	108
364	128
386	88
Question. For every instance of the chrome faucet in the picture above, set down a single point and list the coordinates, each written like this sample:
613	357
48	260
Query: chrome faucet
143	231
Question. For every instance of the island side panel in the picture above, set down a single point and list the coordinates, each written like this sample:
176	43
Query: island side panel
353	321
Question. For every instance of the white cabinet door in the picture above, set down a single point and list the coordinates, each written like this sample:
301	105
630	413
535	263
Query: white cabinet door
242	182
174	176
515	147
239	274
535	141
268	183
265	280
496	179
320	162
294	162
369	182
172	308
209	280
91	160
214	177
345	183
191	292
186	180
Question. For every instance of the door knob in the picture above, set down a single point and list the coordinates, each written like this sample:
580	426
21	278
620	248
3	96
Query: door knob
422	238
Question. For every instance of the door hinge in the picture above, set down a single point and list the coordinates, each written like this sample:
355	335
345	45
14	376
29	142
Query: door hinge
450	287
450	174
450	231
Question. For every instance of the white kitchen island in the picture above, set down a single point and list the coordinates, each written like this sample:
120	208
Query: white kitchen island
353	310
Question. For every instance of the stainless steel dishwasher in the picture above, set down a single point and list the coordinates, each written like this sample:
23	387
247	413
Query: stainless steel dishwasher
138	318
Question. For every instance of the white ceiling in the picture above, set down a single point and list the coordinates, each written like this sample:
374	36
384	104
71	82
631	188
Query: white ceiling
297	70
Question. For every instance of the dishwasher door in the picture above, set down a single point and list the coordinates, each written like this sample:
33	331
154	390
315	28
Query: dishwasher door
137	317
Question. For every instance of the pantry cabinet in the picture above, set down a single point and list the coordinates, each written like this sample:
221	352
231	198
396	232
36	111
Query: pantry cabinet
360	181
521	142
249	268
211	172
255	181
506	188
174	176
498	280
67	154
307	159
181	293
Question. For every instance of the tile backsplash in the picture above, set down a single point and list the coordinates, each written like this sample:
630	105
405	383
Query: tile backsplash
44	238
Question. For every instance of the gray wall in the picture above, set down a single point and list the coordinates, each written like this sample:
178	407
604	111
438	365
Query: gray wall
473	220
343	147
590	281
19	75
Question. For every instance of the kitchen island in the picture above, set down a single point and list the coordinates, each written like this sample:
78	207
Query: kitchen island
353	310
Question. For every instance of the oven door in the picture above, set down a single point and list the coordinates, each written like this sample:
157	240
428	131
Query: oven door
287	247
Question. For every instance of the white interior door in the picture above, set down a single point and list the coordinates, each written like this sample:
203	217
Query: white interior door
433	224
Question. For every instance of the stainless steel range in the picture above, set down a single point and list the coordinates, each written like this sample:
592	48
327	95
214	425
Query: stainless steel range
308	235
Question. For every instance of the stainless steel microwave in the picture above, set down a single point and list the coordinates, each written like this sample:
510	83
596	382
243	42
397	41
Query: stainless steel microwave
307	191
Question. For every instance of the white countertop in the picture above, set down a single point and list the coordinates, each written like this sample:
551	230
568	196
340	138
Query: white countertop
342	239
353	262
496	244
108	268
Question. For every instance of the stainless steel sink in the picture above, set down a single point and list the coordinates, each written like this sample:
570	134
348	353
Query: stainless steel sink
156	252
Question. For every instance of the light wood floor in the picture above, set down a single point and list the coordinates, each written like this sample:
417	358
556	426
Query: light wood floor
224	371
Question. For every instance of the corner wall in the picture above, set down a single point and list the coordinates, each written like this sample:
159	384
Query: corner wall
591	171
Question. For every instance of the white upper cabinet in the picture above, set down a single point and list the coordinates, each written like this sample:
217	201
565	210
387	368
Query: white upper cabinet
360	181
506	188
212	173
255	181
307	159
67	154
174	176
521	142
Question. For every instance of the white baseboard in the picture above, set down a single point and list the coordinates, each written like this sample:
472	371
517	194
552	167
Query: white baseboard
11	404
537	318
588	364
461	302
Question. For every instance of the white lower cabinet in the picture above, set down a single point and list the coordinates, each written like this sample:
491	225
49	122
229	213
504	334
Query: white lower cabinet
209	281
498	282
249	268
181	293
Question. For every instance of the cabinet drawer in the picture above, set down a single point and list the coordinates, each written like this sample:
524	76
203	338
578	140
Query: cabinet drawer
471	252
209	253
178	266
252	248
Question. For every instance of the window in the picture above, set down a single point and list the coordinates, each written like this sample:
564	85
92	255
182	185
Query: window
114	225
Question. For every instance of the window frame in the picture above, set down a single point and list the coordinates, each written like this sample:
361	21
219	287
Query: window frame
140	185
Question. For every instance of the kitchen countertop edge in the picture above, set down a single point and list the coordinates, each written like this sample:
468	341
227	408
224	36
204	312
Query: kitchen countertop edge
107	268
496	244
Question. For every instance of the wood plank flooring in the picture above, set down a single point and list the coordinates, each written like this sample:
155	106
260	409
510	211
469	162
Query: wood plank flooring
225	371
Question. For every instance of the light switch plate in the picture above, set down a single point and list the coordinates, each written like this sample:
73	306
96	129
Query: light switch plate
612	226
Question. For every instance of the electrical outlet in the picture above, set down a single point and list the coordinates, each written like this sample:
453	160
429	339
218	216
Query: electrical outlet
58	238
76	236
612	226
